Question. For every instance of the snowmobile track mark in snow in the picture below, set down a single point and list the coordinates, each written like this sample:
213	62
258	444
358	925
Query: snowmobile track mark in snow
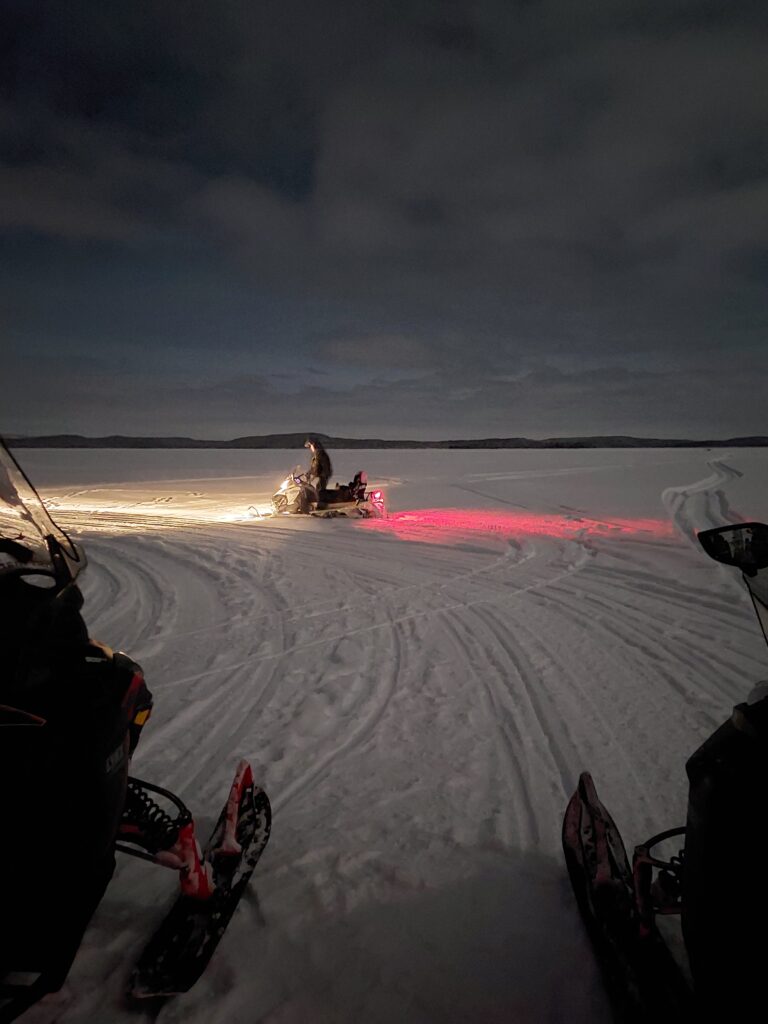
646	637
509	741
702	504
382	694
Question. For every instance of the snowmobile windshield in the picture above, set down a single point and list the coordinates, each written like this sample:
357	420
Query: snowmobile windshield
30	541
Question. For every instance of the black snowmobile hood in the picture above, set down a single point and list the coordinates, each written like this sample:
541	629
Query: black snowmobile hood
30	541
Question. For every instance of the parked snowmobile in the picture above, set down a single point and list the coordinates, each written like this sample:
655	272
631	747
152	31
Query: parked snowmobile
709	876
71	714
297	496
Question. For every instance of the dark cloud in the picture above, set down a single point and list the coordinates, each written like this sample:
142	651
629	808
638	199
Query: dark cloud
538	402
376	352
454	191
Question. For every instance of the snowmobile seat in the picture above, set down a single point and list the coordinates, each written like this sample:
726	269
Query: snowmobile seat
344	493
340	493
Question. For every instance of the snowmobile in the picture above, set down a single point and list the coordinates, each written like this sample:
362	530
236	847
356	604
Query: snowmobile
298	496
680	929
71	714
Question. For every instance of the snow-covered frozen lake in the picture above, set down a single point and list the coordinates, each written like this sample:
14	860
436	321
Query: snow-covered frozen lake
418	697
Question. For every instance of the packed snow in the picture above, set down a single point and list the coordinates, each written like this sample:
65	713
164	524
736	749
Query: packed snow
418	696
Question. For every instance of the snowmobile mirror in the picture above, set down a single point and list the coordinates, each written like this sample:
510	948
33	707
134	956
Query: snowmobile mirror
744	545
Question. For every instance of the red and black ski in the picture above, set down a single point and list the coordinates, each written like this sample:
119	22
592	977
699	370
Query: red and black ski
642	980
179	951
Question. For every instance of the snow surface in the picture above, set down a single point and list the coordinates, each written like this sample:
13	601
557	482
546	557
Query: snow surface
418	697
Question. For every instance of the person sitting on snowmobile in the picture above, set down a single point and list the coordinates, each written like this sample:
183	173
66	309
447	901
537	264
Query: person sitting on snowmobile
320	466
71	712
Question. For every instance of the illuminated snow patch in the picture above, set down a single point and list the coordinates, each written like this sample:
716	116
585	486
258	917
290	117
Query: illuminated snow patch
449	525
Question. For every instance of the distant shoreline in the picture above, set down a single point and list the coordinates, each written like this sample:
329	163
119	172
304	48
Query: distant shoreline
286	441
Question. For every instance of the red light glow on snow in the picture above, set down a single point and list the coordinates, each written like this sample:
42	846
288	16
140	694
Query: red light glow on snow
452	525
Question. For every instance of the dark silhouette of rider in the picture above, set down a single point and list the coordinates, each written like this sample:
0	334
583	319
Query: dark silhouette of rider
320	466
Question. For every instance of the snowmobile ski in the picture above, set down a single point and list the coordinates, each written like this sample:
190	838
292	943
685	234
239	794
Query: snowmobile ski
641	977
594	850
179	951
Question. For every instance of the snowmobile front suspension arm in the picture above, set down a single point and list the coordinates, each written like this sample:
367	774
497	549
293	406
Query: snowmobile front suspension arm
169	842
662	898
186	858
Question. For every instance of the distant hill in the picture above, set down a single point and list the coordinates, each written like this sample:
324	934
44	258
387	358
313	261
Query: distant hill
297	441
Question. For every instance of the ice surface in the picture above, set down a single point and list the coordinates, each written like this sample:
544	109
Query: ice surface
418	697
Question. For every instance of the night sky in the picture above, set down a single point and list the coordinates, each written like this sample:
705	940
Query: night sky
398	219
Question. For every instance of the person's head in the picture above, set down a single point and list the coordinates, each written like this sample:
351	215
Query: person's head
311	443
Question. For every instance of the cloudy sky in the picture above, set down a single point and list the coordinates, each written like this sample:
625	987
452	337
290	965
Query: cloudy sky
408	218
